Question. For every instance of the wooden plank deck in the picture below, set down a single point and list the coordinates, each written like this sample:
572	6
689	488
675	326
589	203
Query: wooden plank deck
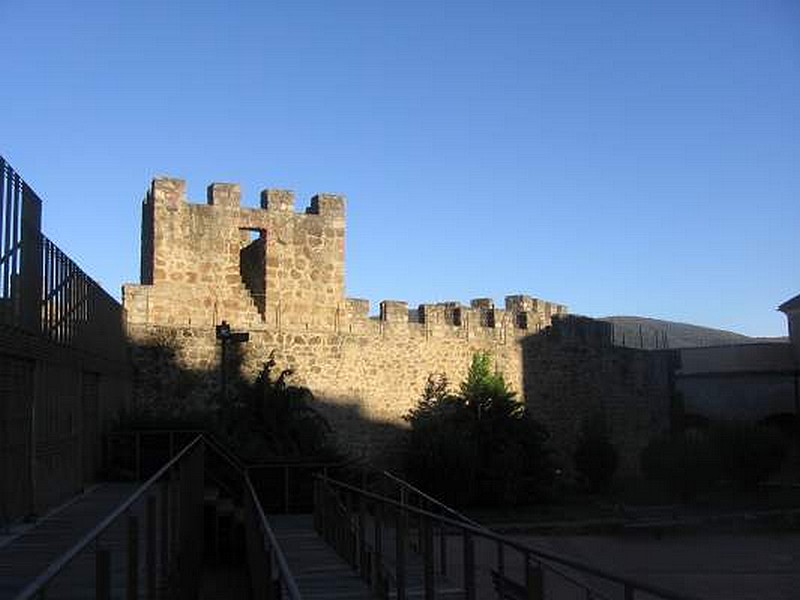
23	558
318	570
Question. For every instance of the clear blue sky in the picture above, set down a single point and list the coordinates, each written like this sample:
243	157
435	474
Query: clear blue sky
619	157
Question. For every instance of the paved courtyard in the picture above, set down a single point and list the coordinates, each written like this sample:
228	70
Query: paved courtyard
712	566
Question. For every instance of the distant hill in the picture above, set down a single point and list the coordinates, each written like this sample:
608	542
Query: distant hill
654	333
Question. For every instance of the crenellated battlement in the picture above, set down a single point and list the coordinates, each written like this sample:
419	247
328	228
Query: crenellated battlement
170	192
275	267
279	273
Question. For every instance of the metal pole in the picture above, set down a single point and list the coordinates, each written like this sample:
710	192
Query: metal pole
286	489
133	558
102	574
400	554
534	581
469	566
427	552
151	548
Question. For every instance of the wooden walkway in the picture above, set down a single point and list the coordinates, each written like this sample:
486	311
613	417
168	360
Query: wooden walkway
319	572
26	556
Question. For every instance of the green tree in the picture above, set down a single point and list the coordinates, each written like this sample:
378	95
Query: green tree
271	418
478	446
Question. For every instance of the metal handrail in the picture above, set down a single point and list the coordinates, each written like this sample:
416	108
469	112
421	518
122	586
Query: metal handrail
541	555
283	565
466	519
63	561
431	499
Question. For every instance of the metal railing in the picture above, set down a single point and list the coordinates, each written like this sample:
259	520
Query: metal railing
374	534
283	486
42	290
137	451
172	503
264	553
20	224
408	494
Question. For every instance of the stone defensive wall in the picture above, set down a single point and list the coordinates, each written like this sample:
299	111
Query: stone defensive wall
279	275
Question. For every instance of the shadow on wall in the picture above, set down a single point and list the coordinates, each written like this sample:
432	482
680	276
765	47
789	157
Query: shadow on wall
263	419
573	372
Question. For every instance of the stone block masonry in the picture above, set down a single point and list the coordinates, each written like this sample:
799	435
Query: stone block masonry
279	274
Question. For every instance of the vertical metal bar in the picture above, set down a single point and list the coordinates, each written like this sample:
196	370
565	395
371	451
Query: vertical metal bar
378	550
443	549
286	489
59	294
150	557
400	554
102	574
629	591
164	527
6	208
270	587
426	526
138	454
501	558
133	558
362	553
534	580
16	238
46	286
174	519
51	278
469	565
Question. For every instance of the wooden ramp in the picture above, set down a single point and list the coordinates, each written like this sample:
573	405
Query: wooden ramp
26	556
317	569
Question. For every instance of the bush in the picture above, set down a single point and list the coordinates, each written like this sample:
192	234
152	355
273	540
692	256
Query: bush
688	463
741	453
268	418
748	454
478	446
595	456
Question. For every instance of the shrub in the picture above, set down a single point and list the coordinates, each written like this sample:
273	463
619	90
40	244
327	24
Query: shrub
742	453
748	454
478	446
687	463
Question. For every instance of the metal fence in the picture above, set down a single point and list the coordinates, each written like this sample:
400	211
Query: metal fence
42	290
396	548
153	534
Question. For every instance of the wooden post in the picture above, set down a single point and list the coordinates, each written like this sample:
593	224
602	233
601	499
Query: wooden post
132	592
534	582
469	566
150	557
102	574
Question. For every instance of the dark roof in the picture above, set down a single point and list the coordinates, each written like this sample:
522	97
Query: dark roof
791	304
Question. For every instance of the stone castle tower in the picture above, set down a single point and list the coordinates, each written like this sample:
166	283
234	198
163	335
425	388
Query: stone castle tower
279	275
